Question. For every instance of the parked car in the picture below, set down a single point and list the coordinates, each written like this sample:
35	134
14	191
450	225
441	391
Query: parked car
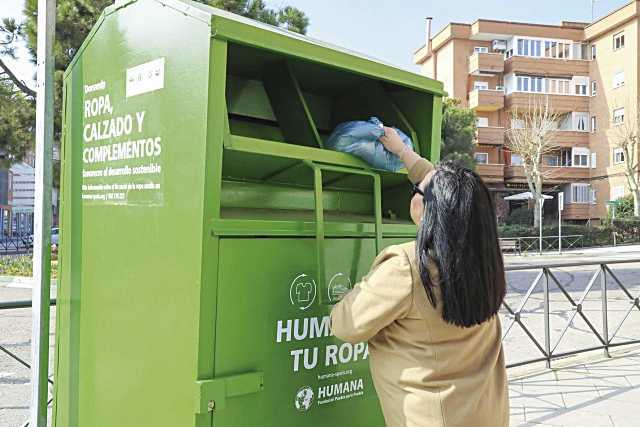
55	233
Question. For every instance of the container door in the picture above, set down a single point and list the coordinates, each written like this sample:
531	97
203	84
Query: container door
270	320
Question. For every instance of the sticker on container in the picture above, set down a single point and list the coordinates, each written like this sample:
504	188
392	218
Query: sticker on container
304	399
145	77
339	285
302	292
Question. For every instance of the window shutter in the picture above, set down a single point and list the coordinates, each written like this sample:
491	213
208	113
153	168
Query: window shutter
593	160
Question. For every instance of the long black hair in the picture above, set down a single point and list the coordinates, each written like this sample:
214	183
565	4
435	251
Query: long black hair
459	234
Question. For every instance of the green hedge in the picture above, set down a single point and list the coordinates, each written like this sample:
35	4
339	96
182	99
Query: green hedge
627	231
520	216
22	266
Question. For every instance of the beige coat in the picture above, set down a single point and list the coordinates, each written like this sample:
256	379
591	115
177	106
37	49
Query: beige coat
426	372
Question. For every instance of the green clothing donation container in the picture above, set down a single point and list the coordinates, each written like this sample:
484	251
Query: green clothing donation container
205	229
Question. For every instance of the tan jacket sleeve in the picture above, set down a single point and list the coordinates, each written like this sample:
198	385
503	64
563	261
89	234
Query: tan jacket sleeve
382	296
419	170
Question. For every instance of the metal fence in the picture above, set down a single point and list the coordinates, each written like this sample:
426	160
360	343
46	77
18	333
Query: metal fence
545	279
10	305
527	244
16	244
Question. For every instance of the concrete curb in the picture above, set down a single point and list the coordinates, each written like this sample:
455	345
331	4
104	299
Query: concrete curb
20	282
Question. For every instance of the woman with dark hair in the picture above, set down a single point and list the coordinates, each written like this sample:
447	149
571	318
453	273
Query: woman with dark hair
429	308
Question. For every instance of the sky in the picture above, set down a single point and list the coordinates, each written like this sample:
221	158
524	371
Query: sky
393	30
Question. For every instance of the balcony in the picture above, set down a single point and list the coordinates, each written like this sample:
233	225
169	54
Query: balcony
486	99
576	211
490	135
552	174
546	66
486	63
558	103
570	138
491	173
565	138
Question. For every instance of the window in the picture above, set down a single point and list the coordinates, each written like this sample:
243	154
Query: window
550	160
521	47
523	84
618	156
618	40
580	157
542	85
618	116
581	193
537	84
549	48
481	49
482	122
580	160
617	192
580	51
593	124
480	86
516	159
559	86
529	47
517	124
481	158
618	79
594	88
581	122
593	51
581	89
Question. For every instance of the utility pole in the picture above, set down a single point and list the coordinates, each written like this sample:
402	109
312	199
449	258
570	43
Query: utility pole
593	2
42	217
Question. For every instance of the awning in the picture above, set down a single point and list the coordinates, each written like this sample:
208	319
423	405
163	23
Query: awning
525	196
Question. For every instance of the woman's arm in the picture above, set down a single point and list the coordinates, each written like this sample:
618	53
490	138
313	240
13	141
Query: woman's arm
383	296
417	166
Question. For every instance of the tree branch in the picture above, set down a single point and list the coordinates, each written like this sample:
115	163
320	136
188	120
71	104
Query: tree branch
23	87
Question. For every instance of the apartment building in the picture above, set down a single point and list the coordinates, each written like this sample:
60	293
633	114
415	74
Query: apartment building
587	72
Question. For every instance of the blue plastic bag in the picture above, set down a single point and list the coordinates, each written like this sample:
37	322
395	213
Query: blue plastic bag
361	139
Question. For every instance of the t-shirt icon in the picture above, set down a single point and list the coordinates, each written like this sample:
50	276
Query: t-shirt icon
303	291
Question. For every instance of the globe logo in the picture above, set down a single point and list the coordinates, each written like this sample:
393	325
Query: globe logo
304	399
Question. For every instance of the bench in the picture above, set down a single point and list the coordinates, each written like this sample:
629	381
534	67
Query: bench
510	245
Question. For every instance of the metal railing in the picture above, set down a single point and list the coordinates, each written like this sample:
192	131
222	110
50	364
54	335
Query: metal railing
15	244
532	244
547	277
11	305
544	279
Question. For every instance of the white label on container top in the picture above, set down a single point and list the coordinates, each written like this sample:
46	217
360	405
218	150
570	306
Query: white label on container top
145	77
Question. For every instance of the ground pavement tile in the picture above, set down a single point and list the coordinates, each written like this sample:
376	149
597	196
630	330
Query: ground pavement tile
610	376
516	415
569	418
540	393
575	385
625	420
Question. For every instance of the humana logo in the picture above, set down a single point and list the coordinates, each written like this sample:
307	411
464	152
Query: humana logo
340	388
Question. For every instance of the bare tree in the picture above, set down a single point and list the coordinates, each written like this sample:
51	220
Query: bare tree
532	138
625	135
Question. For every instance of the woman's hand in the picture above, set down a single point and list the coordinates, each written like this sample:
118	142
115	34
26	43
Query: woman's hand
392	141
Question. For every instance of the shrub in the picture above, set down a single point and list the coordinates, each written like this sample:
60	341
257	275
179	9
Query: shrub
520	216
625	207
627	229
628	232
22	266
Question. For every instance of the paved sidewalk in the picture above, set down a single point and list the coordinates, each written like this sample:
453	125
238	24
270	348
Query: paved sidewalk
604	392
